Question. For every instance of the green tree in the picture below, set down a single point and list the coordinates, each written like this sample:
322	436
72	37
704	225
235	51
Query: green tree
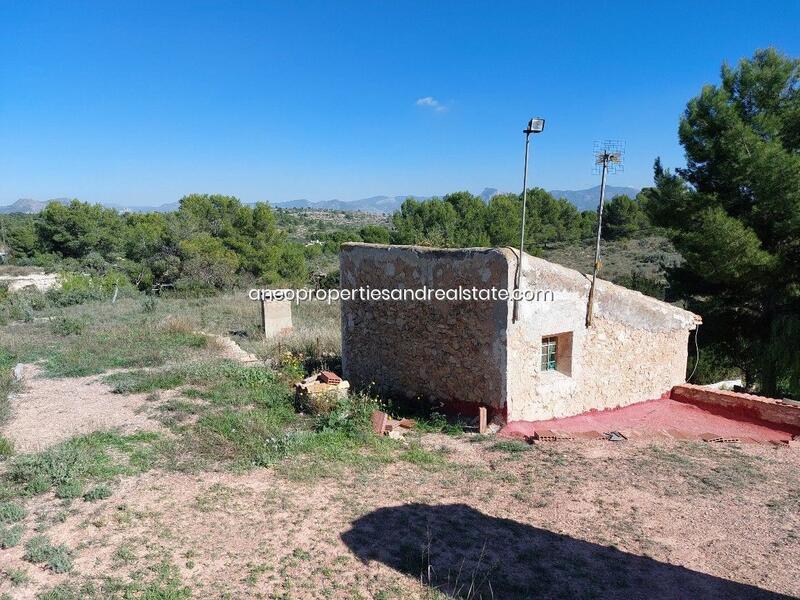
734	215
207	263
79	228
19	233
375	234
623	218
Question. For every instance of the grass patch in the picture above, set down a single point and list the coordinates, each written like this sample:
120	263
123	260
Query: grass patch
68	466
94	338
417	455
10	535
99	492
11	512
161	582
510	446
17	577
6	447
704	468
39	550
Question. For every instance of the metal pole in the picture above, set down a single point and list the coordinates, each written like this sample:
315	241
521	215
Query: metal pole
605	158
515	316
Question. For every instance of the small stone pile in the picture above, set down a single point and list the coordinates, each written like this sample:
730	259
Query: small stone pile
320	392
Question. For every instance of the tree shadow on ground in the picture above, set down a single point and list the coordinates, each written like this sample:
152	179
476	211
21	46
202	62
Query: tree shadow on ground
466	554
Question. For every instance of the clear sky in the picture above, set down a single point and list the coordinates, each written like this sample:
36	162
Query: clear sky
139	103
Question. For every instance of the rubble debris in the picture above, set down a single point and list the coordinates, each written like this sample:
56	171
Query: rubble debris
382	424
589	435
713	438
379	422
614	436
546	435
319	396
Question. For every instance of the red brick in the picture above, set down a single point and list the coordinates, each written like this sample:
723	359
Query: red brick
379	422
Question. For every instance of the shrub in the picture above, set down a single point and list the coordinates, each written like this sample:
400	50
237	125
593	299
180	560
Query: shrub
11	512
58	559
351	414
6	445
100	492
64	325
149	304
69	489
10	535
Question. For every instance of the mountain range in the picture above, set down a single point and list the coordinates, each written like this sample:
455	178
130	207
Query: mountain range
583	199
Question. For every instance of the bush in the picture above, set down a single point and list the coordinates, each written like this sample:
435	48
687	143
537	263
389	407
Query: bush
6	445
352	414
10	535
11	512
149	304
64	325
58	559
69	490
100	492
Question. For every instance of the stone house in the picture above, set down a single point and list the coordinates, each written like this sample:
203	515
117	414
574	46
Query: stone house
466	353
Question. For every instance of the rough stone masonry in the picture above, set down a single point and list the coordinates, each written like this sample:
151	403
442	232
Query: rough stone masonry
468	353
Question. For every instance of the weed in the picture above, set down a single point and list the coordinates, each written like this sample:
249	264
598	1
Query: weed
510	446
69	489
68	465
421	457
39	550
124	554
99	492
6	447
149	304
11	512
63	325
18	577
10	535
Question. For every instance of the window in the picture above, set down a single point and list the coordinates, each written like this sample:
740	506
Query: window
557	353
549	353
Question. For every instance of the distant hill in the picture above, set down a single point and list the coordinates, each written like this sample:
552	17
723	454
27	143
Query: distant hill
588	199
26	206
583	199
374	204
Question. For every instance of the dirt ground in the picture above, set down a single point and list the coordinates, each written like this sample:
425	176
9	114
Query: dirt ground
47	411
569	519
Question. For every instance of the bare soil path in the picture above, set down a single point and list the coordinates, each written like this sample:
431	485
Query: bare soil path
48	411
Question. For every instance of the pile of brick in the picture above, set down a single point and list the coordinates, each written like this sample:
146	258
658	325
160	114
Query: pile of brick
382	424
319	393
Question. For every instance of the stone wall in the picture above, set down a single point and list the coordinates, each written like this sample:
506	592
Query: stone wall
636	348
446	351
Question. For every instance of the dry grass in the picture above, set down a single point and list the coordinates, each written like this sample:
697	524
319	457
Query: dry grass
476	521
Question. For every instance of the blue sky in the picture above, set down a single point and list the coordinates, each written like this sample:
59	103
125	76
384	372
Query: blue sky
139	103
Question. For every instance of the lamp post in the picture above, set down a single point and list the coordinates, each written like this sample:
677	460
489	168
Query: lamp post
535	125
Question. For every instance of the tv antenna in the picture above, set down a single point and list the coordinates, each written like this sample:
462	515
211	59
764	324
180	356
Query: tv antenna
608	156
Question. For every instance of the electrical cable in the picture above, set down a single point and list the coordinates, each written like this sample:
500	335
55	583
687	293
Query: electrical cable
696	353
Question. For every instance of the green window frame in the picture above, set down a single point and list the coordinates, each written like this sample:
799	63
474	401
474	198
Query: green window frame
549	349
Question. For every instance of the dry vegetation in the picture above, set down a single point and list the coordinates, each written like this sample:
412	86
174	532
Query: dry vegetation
233	494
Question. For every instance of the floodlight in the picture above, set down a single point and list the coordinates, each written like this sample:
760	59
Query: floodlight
535	125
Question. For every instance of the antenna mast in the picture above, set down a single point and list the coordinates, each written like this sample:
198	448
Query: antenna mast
607	159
